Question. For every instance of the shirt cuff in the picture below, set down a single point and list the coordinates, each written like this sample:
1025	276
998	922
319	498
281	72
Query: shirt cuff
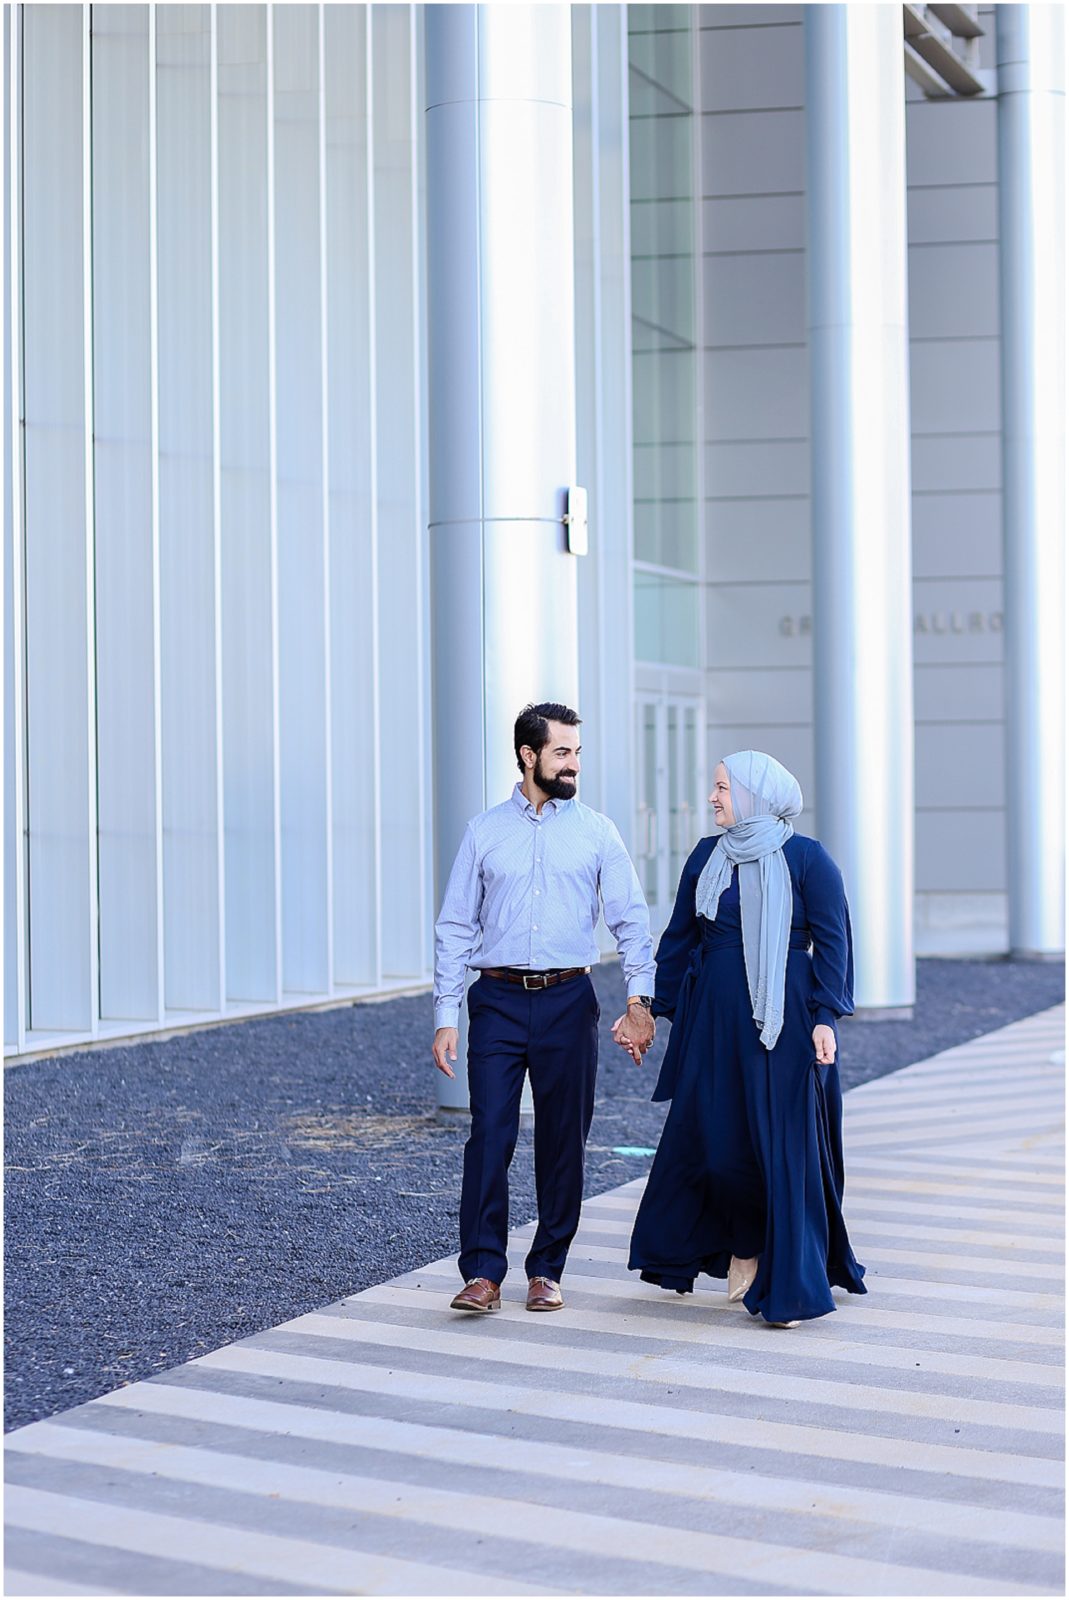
824	1017
642	984
446	1014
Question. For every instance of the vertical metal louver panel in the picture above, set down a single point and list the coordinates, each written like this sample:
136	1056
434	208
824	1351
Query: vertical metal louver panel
124	513
191	725
248	532
61	792
303	637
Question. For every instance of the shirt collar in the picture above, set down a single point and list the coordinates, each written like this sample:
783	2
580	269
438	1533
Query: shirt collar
521	800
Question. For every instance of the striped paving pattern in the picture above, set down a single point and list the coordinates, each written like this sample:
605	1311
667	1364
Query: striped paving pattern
636	1443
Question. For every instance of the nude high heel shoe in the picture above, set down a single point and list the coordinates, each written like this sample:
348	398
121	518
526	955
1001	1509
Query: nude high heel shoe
740	1276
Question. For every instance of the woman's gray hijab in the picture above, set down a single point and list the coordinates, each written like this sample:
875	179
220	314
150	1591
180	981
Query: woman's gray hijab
764	797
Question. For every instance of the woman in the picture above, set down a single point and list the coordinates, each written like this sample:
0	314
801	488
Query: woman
754	968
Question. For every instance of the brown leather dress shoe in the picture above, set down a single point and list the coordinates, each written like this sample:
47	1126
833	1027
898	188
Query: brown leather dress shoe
478	1294
543	1295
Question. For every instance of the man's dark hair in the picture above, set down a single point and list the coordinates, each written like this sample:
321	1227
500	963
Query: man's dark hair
532	726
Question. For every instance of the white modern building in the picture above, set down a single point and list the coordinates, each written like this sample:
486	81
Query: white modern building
316	319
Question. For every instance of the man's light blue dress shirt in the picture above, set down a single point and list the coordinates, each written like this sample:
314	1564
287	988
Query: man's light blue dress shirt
526	890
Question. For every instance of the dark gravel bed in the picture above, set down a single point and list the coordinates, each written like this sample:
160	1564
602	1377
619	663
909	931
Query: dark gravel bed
168	1197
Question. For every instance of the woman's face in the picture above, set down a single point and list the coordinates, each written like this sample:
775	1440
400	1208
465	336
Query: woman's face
720	799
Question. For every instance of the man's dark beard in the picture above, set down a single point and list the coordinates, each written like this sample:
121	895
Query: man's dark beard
557	788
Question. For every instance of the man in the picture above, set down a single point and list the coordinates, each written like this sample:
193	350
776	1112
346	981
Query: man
521	907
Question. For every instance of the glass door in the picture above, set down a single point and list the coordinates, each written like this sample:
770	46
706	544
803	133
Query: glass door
650	765
684	787
671	813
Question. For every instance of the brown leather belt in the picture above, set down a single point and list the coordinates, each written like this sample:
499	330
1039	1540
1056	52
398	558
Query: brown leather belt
534	980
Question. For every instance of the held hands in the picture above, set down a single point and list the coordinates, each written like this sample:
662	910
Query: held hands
824	1044
635	1031
443	1049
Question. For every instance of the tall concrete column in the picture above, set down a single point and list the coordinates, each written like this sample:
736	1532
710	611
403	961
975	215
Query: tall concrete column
501	352
1032	174
859	428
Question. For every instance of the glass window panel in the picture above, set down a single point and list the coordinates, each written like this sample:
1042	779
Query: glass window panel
662	295
666	619
642	19
661	227
666	534
666	472
664	334
649	99
661	157
665	413
661	61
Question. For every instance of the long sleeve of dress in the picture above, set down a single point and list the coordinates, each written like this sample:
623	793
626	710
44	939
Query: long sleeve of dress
828	917
682	933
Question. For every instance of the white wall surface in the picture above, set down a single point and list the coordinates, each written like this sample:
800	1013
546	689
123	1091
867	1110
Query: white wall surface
957	556
216	565
756	373
220	640
757	452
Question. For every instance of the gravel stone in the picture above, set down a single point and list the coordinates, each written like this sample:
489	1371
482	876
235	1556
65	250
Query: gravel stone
167	1197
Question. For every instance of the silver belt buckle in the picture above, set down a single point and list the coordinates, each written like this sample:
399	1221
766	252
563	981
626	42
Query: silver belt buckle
534	980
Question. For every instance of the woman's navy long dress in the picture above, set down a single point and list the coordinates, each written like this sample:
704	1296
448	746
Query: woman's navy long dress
750	1162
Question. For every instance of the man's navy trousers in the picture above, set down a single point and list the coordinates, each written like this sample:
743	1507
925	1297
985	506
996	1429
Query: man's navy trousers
553	1035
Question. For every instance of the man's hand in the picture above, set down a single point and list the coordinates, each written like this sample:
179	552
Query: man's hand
443	1048
635	1031
824	1043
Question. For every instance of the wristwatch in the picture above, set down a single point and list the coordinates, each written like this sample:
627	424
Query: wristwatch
645	1000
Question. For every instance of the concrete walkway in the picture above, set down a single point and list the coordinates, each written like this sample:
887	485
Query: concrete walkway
636	1443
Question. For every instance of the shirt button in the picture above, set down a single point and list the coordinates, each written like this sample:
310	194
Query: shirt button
534	927
538	891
